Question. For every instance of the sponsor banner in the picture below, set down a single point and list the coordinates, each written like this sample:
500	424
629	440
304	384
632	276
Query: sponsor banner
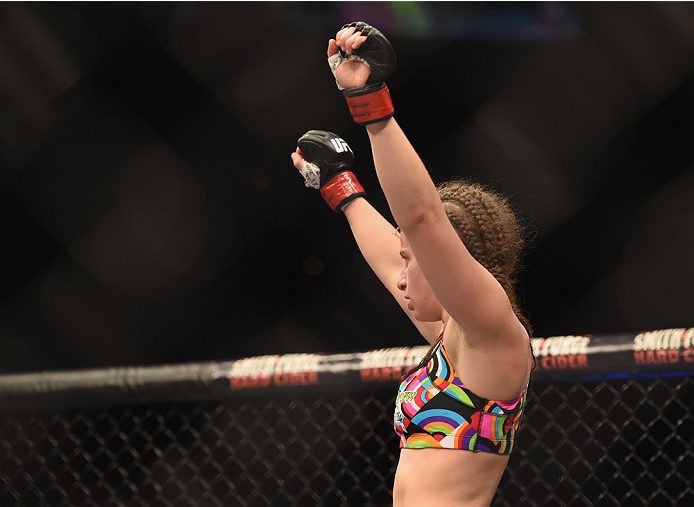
291	370
648	350
389	364
274	371
556	356
561	353
667	347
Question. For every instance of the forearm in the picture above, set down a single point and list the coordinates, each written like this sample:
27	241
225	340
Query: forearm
410	192
467	291
377	240
379	243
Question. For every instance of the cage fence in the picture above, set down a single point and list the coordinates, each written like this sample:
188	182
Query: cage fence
608	423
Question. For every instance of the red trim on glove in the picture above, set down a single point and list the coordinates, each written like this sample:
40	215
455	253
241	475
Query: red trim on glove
340	188
371	107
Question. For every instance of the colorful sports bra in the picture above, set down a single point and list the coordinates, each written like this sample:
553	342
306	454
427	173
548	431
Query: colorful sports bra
435	409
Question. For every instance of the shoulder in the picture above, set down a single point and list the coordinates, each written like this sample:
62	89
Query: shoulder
508	334
495	367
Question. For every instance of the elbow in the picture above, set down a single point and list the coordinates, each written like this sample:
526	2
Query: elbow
416	218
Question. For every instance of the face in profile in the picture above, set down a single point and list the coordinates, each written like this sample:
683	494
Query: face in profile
420	298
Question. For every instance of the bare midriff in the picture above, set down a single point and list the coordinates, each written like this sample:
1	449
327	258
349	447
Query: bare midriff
449	477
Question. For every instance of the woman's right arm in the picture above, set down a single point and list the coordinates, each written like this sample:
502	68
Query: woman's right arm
376	238
379	243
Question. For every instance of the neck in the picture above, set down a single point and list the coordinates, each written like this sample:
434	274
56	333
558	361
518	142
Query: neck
445	318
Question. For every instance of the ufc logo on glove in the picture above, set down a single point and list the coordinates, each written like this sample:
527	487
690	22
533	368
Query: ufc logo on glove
339	144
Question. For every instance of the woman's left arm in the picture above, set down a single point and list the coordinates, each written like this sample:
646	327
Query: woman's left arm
467	291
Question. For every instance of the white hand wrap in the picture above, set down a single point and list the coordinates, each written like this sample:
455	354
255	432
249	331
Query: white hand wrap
335	61
311	174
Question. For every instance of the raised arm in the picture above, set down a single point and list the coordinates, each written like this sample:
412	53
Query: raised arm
467	291
379	243
376	238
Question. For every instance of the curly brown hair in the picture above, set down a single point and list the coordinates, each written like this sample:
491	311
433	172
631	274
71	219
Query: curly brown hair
492	234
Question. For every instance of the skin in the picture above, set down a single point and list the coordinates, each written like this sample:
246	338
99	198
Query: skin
443	289
416	290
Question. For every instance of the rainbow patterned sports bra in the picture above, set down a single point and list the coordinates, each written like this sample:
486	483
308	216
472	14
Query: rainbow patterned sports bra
435	409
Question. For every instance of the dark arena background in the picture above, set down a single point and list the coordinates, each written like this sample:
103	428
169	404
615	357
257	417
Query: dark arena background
183	323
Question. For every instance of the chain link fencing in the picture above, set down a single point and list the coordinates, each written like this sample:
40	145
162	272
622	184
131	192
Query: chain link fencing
599	440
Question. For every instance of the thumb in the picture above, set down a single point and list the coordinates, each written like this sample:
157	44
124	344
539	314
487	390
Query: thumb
297	159
332	47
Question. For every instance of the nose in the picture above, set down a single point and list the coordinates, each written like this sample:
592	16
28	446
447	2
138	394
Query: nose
401	282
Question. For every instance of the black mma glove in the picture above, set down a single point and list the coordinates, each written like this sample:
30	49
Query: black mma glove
327	163
370	103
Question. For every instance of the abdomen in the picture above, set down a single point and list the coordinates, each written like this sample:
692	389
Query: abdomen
447	477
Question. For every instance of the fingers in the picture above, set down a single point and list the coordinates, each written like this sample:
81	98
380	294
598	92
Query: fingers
359	41
348	40
356	40
344	33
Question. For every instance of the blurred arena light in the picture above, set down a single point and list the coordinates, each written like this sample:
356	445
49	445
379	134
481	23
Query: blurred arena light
494	21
